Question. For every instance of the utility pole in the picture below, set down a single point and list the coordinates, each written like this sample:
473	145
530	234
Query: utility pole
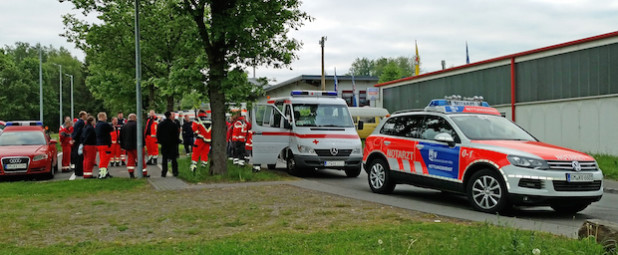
40	84
69	75
138	96
323	78
60	85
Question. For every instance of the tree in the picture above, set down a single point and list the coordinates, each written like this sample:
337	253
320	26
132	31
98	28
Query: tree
171	55
390	72
236	34
386	69
362	67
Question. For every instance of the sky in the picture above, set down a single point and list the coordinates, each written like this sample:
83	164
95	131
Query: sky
374	29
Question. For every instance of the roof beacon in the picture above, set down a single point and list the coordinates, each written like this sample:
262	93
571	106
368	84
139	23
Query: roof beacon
299	93
459	104
24	123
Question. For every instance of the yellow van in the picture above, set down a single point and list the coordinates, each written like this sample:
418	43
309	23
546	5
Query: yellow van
370	116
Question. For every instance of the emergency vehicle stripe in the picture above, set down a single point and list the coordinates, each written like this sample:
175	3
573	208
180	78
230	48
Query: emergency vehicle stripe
392	162
418	168
400	163
406	166
305	136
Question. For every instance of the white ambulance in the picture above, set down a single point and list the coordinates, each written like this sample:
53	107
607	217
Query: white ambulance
308	130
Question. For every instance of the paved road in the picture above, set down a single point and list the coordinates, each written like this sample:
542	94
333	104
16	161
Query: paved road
436	202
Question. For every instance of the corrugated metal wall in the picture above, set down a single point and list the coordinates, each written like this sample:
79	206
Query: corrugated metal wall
583	73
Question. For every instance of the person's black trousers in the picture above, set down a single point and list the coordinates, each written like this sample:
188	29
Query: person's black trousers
164	166
77	160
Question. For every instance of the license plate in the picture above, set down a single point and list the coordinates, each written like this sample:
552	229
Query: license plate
579	177
334	163
15	166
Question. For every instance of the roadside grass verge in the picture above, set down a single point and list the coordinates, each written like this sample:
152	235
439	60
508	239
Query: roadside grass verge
124	216
234	173
609	165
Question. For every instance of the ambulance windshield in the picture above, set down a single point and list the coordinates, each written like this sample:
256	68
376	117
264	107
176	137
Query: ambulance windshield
486	127
322	115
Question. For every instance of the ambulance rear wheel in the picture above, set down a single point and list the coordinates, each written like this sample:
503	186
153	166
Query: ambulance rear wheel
487	192
290	165
379	177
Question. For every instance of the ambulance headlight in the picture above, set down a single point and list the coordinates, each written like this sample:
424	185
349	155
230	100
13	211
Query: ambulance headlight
357	150
527	162
305	149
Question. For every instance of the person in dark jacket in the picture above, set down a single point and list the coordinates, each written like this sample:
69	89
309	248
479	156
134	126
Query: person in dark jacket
104	144
89	141
76	138
187	134
167	136
128	142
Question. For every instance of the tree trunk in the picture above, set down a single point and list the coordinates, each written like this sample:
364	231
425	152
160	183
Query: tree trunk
217	106
170	104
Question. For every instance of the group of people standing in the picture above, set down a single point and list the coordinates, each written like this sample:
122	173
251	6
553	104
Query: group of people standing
116	142
85	137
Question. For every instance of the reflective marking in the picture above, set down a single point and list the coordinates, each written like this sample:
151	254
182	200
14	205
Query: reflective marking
392	162
406	166
418	168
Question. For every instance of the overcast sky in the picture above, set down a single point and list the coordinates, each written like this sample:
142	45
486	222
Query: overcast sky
386	28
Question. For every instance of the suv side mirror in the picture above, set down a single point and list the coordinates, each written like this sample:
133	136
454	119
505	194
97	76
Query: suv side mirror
360	125
445	138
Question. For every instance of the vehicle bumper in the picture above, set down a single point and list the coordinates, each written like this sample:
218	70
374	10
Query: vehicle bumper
543	187
35	168
314	161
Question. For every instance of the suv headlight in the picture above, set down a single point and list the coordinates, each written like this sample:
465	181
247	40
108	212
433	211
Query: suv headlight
528	162
39	157
305	149
357	150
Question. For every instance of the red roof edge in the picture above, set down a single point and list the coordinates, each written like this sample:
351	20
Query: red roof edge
557	46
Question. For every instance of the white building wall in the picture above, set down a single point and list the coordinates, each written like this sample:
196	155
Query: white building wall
587	125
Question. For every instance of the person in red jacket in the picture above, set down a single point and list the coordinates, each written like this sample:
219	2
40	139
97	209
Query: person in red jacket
115	157
201	147
65	141
151	138
239	131
89	150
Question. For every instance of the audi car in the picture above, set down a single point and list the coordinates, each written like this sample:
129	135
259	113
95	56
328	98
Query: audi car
26	150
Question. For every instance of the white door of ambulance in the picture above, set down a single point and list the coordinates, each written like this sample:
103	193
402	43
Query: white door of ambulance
269	135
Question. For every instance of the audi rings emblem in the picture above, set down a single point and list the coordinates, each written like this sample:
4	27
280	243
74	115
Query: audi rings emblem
334	151
576	166
15	160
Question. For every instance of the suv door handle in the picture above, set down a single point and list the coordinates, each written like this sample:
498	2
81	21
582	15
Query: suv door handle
387	142
419	146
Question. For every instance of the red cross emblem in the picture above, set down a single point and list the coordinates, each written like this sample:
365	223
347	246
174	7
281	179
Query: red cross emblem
316	141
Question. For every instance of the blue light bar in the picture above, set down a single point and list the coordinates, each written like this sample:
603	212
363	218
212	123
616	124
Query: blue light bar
313	93
24	123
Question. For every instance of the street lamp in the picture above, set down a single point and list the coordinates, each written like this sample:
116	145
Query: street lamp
60	85
69	75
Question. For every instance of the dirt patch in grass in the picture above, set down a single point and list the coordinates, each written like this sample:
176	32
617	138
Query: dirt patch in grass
144	215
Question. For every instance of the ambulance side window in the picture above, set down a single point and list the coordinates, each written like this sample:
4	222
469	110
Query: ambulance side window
276	116
433	125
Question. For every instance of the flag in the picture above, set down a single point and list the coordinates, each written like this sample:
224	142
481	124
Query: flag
335	79
417	60
354	102
467	55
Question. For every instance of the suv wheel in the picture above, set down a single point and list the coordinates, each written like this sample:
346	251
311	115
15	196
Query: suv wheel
379	177
487	192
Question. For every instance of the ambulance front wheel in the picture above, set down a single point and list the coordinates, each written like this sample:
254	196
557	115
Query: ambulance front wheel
290	165
487	192
379	177
353	172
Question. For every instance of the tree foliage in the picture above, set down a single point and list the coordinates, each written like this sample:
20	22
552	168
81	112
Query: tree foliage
19	79
386	69
236	34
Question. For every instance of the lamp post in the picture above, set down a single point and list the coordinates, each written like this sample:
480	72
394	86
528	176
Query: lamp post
60	85
138	95
40	85
69	75
323	78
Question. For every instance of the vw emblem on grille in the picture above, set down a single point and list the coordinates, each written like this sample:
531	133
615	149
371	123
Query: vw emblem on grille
15	160
334	151
576	166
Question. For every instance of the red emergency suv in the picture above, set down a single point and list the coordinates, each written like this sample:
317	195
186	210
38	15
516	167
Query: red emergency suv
467	147
25	149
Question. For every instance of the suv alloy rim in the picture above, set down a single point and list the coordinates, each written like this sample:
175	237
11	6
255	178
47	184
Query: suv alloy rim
486	192
377	176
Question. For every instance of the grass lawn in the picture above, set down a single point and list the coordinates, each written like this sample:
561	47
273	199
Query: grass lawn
124	216
609	165
235	173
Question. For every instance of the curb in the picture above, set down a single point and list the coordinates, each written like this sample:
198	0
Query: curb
610	190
